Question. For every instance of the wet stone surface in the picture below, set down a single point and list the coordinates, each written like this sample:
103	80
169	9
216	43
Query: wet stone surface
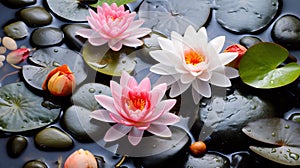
36	16
248	41
209	160
18	3
47	36
73	40
35	164
16	30
16	145
286	31
53	139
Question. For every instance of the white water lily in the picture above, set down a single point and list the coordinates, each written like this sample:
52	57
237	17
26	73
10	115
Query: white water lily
191	61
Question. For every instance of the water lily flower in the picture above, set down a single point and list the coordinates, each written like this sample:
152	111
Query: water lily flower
191	61
241	50
2	58
115	26
60	81
81	159
135	108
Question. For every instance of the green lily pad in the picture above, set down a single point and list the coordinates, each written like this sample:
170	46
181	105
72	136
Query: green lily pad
47	59
109	62
118	2
85	95
174	15
276	131
70	10
21	110
259	67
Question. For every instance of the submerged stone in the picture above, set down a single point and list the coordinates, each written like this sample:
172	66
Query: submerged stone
18	3
16	145
209	160
53	139
47	36
36	16
286	32
16	30
73	40
249	41
35	164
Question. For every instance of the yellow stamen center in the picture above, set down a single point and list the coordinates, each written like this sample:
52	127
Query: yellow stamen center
139	103
192	57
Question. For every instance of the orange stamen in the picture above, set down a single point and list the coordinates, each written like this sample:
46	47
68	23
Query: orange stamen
192	57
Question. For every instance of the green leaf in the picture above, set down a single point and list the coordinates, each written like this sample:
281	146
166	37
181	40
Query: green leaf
118	2
259	67
21	110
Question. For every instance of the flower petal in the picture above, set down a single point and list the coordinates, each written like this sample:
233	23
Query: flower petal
135	136
202	87
220	79
227	57
116	132
231	72
106	102
86	33
166	119
178	88
196	96
160	130
102	115
162	69
165	57
187	78
218	43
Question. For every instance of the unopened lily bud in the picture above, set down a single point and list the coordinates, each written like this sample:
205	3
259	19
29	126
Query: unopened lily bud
60	81
241	50
81	159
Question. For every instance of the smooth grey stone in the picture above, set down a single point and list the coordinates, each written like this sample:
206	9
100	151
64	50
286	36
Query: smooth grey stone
74	41
47	36
53	139
16	30
35	164
36	16
16	145
18	3
286	31
249	41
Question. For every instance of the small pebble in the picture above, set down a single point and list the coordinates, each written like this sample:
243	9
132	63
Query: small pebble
16	30
2	50
16	145
9	43
249	41
18	3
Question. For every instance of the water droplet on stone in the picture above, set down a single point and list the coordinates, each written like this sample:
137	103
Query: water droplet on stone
92	90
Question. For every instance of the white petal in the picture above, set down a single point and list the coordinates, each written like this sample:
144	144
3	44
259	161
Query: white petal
196	96
102	115
116	132
220	79
135	136
160	130
166	44
169	79
162	69
202	87
218	43
227	57
178	88
187	78
165	57
231	72
203	33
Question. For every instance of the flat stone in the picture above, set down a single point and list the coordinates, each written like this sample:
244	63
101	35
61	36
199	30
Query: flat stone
47	36
248	41
53	139
16	30
35	164
18	3
36	16
74	41
286	31
209	160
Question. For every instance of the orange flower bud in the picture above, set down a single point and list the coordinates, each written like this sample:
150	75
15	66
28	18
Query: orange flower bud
81	159
60	81
241	50
198	148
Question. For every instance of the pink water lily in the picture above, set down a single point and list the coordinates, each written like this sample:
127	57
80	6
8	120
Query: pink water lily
115	26
135	108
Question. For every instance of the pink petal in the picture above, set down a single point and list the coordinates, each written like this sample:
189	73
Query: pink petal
125	77
115	46
106	102
144	85
167	119
102	115
131	42
86	33
116	132
160	109
160	130
158	93
135	136
97	41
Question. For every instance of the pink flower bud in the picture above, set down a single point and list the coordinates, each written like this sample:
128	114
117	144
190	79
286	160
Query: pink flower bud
17	56
81	159
60	81
241	50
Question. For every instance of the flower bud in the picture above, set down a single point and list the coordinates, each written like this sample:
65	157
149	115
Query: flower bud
60	81
241	50
81	159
